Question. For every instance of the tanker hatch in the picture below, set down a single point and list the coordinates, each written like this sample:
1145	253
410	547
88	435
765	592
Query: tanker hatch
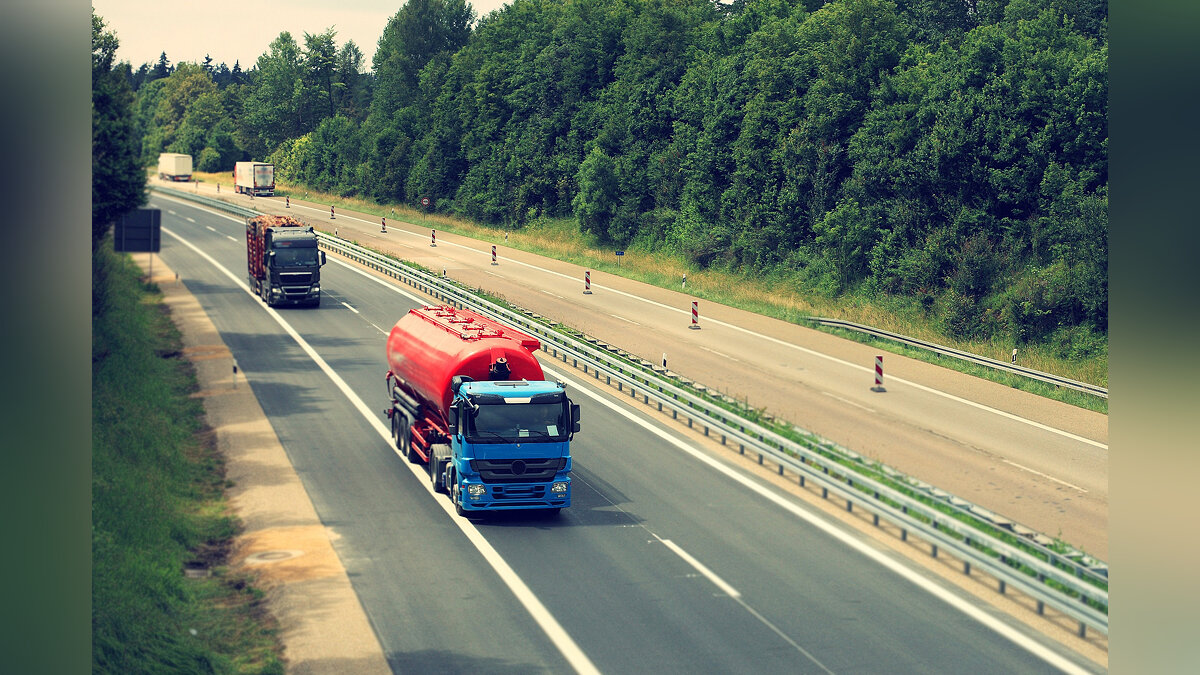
499	370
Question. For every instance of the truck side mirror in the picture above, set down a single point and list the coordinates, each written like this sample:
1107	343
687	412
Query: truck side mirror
452	418
574	417
322	258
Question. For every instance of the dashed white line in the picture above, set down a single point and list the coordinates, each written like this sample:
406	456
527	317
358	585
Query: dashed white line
699	567
722	355
210	228
189	219
351	309
556	295
1046	476
233	239
849	402
615	316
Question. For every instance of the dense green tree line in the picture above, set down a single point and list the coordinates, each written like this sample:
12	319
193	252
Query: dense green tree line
953	151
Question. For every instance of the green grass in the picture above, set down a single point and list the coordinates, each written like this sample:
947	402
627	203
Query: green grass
158	504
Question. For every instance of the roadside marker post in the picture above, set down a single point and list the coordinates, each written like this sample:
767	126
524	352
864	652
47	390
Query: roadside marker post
695	315
878	374
587	282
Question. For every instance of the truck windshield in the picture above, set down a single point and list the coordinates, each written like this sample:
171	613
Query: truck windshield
517	422
295	257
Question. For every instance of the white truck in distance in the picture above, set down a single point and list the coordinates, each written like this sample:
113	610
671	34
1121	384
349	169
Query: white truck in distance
254	178
174	166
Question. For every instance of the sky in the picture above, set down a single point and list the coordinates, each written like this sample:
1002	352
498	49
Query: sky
242	30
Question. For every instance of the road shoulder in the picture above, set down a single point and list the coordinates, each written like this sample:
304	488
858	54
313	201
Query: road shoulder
283	544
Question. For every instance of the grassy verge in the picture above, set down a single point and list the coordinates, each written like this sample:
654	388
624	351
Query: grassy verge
780	298
157	503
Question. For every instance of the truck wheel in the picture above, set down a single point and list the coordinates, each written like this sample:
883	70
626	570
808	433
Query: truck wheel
410	453
456	497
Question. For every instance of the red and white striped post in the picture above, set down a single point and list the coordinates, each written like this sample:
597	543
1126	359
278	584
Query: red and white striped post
287	201
383	224
587	282
331	212
433	237
493	255
695	315
878	374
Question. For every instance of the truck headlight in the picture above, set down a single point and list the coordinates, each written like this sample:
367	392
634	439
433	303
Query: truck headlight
476	490
559	488
316	288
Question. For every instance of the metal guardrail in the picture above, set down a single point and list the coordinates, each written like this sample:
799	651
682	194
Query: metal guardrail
967	356
1064	581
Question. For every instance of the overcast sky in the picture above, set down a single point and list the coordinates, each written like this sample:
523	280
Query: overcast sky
241	30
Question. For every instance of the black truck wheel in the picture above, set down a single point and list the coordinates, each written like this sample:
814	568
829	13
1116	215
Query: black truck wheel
438	454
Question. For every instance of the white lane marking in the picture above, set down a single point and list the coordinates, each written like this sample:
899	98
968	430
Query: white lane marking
350	308
189	219
724	356
210	228
848	402
982	616
379	329
557	634
172	212
615	316
553	294
233	239
782	343
699	567
1043	475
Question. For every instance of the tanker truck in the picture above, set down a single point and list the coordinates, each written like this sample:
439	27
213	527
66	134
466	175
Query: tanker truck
469	399
283	261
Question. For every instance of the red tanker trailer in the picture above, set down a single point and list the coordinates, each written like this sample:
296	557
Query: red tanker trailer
469	398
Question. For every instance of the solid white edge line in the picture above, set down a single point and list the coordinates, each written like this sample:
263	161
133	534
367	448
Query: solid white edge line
546	621
347	305
699	567
841	535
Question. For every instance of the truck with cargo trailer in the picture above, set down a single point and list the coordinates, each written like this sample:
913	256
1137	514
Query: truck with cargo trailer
174	166
469	399
283	261
254	178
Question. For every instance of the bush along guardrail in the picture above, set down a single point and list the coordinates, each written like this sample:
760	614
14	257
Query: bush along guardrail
1051	573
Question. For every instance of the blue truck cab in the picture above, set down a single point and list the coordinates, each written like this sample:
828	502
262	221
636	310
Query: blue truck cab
510	445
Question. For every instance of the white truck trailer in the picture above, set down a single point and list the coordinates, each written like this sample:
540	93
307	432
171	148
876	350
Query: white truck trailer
174	166
254	178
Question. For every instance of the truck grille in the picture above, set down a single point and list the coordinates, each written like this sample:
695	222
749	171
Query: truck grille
518	470
295	278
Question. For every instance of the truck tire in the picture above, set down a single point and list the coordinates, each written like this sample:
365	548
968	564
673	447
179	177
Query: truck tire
456	497
437	454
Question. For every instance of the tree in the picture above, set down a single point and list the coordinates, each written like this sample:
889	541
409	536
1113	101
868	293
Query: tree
596	202
418	32
118	179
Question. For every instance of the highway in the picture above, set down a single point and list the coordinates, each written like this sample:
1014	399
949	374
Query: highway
1038	462
668	560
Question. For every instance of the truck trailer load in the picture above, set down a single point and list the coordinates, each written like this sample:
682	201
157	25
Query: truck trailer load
470	400
254	178
283	261
174	166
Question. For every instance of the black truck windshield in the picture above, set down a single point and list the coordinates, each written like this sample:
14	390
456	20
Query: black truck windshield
517	422
295	257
